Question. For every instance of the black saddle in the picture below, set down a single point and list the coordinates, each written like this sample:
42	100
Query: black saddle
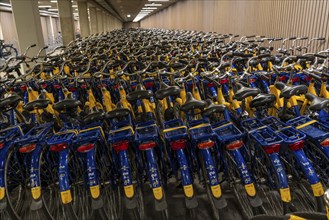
262	100
244	92
317	103
41	103
289	91
139	93
213	108
68	103
192	103
166	91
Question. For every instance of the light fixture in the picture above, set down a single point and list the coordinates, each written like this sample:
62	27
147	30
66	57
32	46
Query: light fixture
44	6
153	5
74	6
128	16
158	0
52	9
149	8
53	1
5	4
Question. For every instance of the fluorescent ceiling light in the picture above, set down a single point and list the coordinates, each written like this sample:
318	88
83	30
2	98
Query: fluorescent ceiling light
52	9
44	6
5	4
53	1
128	16
158	0
74	6
153	8
153	4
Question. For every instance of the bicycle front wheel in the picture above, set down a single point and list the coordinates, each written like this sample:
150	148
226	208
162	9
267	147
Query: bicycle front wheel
8	51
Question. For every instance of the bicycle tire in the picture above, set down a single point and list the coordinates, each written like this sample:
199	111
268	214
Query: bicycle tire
238	188
215	212
110	189
319	161
13	169
139	211
272	199
50	190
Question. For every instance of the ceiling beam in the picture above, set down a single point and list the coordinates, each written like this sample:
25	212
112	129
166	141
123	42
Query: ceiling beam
115	14
113	8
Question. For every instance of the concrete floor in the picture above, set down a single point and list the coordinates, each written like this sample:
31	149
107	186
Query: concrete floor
177	209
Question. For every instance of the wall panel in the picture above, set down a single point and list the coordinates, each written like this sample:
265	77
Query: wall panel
273	18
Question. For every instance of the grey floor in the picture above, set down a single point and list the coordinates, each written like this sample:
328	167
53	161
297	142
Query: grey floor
176	204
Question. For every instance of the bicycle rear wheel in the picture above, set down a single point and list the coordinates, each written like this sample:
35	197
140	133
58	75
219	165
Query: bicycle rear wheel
50	189
238	188
110	189
267	183
319	161
15	185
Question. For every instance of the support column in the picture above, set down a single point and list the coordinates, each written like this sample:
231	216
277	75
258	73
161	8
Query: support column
106	22
93	20
28	25
99	21
66	19
83	18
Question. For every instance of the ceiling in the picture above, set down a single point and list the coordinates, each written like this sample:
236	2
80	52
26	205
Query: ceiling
133	7
124	10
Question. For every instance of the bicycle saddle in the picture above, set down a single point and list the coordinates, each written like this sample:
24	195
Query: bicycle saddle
244	92
262	100
289	91
192	103
40	103
166	91
139	93
68	103
119	112
213	108
317	103
10	102
94	116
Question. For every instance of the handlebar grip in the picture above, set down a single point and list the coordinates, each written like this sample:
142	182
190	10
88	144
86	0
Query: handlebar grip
263	55
292	38
45	47
320	38
314	76
250	36
240	54
277	39
20	58
76	58
33	45
306	57
224	65
320	56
